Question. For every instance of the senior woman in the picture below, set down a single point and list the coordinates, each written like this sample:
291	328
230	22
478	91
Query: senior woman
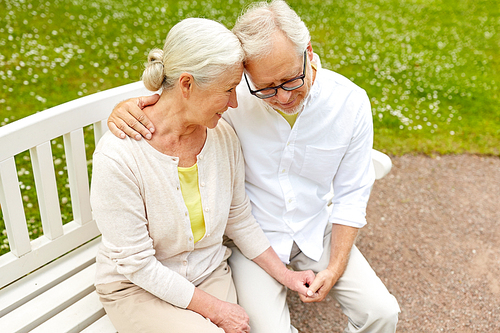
164	205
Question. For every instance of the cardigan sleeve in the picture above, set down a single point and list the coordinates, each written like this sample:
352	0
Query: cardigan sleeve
119	211
242	227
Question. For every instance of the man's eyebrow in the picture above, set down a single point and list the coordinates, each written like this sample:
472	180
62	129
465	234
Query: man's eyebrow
280	81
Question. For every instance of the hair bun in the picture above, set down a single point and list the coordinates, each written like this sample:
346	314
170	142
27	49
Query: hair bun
153	76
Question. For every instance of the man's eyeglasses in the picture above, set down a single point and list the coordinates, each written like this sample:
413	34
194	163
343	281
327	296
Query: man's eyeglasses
289	85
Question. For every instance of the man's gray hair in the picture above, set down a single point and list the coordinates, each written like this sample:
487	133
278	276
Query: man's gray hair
257	26
203	48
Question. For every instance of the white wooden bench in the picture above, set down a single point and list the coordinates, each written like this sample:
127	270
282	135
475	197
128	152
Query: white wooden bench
46	284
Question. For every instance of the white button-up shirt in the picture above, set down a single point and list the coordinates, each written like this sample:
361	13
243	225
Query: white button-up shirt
289	171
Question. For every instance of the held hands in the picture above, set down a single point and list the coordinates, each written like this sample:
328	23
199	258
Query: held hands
232	318
320	287
299	282
128	118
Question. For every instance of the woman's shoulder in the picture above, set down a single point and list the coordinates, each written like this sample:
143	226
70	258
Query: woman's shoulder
224	129
224	138
114	147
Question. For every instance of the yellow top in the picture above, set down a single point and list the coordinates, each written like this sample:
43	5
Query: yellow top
290	118
188	178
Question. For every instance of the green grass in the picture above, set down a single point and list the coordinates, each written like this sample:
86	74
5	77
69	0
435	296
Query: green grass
431	68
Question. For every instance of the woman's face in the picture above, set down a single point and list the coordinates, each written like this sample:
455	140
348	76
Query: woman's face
208	104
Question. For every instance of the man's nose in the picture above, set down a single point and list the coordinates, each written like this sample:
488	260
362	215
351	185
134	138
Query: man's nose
283	96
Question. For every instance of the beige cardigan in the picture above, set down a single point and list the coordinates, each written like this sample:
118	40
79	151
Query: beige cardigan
146	231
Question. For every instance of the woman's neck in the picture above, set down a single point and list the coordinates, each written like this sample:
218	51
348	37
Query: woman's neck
174	134
169	116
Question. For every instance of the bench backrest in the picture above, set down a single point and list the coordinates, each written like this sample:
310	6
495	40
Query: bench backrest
34	133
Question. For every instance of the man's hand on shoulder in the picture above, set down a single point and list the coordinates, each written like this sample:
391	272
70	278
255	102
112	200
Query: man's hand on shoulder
128	118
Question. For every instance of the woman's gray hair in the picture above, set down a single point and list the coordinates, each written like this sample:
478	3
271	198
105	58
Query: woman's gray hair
203	48
257	26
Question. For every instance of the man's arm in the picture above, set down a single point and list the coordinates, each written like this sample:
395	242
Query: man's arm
351	186
128	118
343	238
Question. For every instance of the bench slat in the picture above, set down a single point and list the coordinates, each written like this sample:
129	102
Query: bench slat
48	276
45	250
100	128
13	209
102	325
46	189
46	305
44	126
76	161
74	318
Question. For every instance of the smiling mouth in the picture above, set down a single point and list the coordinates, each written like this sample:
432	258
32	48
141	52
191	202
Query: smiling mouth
288	104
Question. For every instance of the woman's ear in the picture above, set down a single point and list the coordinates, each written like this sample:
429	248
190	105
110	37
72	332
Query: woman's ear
186	82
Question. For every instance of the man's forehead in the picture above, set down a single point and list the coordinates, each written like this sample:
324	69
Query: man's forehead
272	70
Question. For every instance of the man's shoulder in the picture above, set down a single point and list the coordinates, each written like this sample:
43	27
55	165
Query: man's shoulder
332	78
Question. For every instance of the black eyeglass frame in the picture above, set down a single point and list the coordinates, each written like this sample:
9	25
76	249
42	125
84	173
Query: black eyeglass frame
282	86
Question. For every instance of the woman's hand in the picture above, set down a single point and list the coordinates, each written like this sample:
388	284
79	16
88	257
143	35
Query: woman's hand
300	282
128	118
228	316
296	281
232	318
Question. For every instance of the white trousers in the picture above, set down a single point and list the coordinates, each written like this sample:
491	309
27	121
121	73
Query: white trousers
361	294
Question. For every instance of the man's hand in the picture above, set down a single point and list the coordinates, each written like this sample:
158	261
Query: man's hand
232	318
128	118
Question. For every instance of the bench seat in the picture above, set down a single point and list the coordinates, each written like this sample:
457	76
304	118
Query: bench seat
47	284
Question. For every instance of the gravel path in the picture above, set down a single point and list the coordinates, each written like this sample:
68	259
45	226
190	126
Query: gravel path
433	237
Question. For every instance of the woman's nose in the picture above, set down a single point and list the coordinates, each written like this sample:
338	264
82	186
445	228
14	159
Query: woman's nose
233	100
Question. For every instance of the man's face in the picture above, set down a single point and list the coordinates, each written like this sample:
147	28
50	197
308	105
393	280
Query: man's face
282	64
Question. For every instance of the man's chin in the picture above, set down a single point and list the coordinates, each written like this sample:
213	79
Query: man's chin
290	111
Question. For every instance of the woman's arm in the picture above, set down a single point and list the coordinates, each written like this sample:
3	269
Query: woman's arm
119	210
297	281
128	118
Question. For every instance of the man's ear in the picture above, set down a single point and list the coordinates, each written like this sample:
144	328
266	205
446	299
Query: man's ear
310	52
186	82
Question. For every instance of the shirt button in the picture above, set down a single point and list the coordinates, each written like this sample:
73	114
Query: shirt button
283	171
190	239
208	235
185	263
202	184
290	200
178	188
185	214
206	209
200	157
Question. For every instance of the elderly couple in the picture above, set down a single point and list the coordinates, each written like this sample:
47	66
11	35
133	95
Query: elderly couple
196	226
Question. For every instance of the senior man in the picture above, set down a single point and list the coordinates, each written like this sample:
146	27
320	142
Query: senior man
303	129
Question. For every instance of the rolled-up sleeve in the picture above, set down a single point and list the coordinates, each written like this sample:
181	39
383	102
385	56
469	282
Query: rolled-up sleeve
355	177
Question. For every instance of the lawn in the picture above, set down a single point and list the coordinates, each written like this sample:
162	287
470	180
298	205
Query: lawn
431	68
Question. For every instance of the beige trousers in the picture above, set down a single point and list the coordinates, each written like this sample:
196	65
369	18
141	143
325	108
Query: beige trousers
133	309
364	299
